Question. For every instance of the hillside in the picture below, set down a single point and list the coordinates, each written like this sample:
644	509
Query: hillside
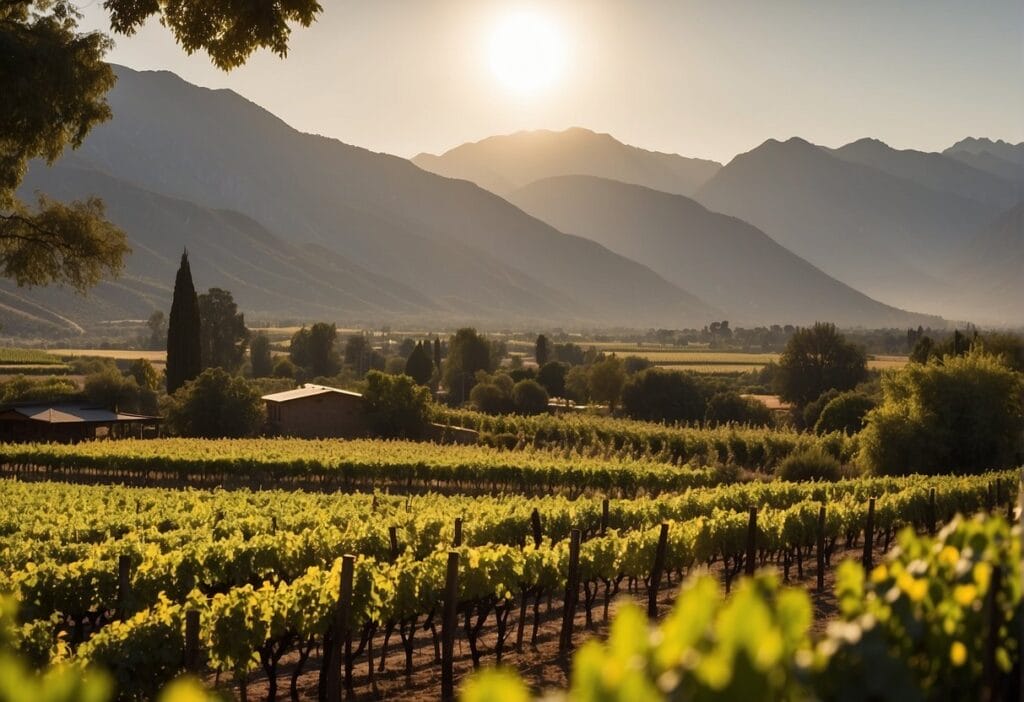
990	277
885	235
732	262
505	163
409	243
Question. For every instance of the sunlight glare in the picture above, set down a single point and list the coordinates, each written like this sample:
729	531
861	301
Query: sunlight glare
527	53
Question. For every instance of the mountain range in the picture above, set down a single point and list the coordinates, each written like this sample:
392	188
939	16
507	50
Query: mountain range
571	229
731	262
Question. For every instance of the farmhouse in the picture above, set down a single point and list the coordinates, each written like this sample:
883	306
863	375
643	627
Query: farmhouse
316	411
68	422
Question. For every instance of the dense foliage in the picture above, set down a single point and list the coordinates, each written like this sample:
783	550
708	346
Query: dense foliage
961	412
817	359
216	405
914	629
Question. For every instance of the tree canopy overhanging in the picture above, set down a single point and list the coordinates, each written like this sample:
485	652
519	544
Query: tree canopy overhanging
54	81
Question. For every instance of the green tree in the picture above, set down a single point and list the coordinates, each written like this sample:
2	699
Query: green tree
223	336
529	397
817	359
144	373
552	376
54	79
357	353
577	384
845	412
418	366
541	350
606	380
284	368
395	405
437	353
109	388
659	395
184	349
260	357
216	405
468	353
313	350
730	407
960	413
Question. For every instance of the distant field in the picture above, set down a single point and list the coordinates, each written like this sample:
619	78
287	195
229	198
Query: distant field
27	357
705	361
154	357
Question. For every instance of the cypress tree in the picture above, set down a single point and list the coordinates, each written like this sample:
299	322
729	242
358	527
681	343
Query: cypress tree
419	367
184	356
437	353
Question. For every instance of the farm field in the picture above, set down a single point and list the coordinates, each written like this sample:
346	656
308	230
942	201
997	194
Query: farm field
125	354
708	361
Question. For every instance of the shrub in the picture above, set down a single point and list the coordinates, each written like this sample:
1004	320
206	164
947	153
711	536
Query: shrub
529	397
812	410
725	407
844	413
809	464
959	414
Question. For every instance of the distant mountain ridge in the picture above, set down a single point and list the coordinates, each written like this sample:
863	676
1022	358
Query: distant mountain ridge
505	163
733	262
886	235
468	255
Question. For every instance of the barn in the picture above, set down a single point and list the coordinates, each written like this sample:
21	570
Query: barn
316	411
69	422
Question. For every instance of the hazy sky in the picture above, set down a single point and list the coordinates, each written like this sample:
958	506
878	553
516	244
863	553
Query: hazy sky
701	78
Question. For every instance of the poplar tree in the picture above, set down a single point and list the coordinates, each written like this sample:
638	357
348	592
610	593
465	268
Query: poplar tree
184	350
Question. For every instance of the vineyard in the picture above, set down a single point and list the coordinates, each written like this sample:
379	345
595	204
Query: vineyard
620	457
148	582
31	357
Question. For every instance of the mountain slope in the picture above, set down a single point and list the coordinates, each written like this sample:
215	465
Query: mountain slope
935	171
268	277
502	164
730	261
472	255
884	235
991	277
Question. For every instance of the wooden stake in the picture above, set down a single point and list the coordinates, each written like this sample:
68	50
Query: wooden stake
192	641
869	537
820	548
457	541
572	587
535	525
751	541
339	630
604	516
448	626
124	584
393	537
659	566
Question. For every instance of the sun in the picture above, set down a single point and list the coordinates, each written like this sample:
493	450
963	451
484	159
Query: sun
527	52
